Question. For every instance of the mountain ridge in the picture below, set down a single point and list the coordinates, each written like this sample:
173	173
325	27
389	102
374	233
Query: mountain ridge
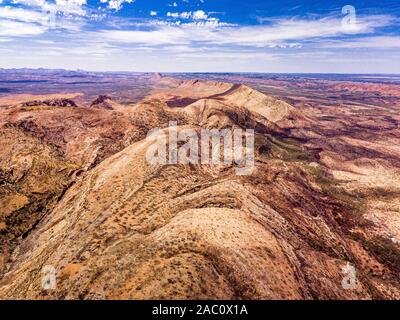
125	229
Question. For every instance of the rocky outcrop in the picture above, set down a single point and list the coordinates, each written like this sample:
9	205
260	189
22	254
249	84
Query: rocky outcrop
50	103
32	176
102	102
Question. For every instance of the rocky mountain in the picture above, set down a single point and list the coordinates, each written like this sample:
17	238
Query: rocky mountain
102	102
81	196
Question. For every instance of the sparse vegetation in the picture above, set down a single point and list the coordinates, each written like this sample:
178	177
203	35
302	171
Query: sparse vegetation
386	251
38	108
118	227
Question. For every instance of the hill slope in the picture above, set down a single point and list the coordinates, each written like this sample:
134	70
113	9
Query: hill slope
128	229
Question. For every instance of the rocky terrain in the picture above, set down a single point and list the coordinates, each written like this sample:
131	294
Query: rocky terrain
77	193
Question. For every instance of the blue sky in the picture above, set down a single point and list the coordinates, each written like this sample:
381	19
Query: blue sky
360	36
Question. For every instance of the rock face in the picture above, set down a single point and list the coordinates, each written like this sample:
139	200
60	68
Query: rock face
83	135
50	103
32	176
102	102
124	228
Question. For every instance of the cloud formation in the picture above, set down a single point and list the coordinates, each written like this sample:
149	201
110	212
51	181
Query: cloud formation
73	7
195	15
188	34
116	4
279	32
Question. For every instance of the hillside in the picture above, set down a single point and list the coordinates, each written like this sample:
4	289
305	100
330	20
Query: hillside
115	226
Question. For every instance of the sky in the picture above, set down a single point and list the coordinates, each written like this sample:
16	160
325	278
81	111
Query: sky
353	36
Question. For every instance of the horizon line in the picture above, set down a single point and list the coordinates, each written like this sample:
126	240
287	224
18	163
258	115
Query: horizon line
200	72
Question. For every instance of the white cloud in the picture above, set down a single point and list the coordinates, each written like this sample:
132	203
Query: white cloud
185	15
41	17
167	35
17	22
366	42
172	14
20	14
70	2
295	29
116	4
281	33
191	41
195	15
230	55
73	7
10	28
199	15
209	23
